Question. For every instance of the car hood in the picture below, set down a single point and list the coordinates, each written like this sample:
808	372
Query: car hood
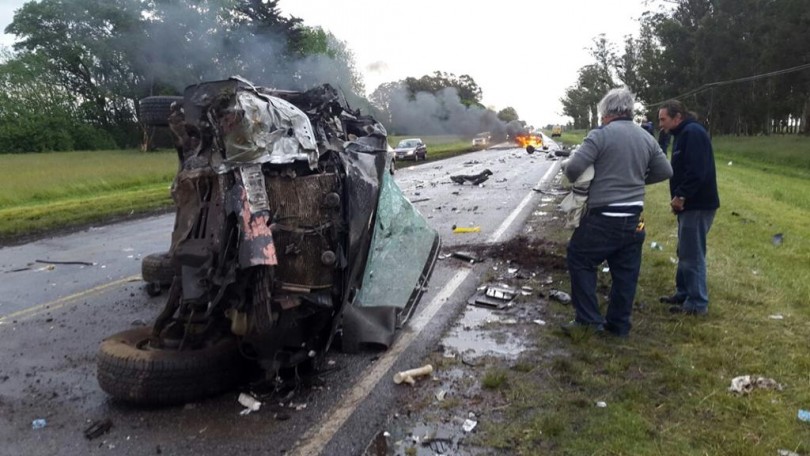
404	149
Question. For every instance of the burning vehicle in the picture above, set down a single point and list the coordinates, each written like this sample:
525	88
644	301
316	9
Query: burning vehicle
290	236
525	139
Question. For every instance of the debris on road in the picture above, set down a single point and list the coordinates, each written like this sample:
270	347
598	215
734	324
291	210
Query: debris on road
408	375
420	200
251	404
744	384
474	179
80	263
38	423
98	428
466	256
494	297
466	229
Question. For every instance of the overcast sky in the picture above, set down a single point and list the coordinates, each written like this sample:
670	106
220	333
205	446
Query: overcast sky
522	54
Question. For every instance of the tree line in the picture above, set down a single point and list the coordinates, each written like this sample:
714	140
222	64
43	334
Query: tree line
743	66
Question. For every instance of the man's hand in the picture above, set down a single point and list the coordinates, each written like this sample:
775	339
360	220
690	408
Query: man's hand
677	204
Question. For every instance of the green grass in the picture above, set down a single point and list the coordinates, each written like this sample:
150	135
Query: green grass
667	386
43	191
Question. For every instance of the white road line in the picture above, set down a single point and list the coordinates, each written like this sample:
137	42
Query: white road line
61	302
314	440
496	236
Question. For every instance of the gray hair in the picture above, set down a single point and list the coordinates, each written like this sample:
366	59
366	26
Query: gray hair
617	102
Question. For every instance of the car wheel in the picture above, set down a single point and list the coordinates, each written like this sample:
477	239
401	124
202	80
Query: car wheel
154	111
158	268
130	370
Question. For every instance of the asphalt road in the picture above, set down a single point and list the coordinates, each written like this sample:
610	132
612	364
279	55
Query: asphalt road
53	316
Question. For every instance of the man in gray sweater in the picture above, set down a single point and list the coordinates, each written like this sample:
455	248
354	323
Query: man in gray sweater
625	159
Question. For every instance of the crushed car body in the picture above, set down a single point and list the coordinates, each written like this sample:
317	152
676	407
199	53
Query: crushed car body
290	234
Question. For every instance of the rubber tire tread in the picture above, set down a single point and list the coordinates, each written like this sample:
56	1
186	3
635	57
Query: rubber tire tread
157	268
166	377
155	110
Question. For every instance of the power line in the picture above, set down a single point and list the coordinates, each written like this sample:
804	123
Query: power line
712	85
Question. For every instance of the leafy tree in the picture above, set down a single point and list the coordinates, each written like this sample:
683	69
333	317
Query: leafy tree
468	90
508	114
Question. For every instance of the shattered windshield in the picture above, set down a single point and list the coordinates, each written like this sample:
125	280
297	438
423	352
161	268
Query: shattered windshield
400	248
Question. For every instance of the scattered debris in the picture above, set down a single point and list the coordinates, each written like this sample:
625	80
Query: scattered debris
656	246
776	317
601	404
474	179
98	428
746	383
250	402
466	256
804	415
539	322
496	297
787	453
408	375
440	395
559	296
777	239
729	163
466	229
469	425
80	263
420	200
38	423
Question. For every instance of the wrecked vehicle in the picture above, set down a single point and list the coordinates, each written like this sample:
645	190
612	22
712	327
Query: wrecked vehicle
290	236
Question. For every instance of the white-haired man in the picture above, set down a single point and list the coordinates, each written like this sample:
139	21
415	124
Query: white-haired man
625	159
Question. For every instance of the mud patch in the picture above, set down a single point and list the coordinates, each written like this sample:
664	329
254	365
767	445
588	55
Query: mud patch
524	250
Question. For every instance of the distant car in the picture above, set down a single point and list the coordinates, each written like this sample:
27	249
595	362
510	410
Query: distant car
481	140
411	149
556	131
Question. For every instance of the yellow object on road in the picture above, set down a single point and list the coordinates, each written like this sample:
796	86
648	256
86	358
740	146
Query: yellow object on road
468	229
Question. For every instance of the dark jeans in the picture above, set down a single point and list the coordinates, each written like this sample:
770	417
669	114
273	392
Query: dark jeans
690	280
615	239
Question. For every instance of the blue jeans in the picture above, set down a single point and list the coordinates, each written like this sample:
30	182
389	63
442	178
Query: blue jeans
615	239
690	280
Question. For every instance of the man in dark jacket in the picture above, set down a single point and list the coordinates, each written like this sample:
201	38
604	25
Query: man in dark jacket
624	160
693	189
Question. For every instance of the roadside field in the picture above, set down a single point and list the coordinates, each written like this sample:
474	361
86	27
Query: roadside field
45	191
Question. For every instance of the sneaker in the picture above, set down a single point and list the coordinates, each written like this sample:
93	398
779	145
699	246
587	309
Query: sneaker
573	326
684	311
674	299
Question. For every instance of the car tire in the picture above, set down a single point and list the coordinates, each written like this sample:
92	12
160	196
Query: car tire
158	268
154	111
131	372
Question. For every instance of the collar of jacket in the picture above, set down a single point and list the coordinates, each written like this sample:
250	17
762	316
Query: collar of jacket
681	126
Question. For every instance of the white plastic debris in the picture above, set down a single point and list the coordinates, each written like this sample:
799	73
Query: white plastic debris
250	402
776	317
787	453
729	163
656	246
440	395
601	404
408	375
540	322
512	270
469	425
560	296
744	384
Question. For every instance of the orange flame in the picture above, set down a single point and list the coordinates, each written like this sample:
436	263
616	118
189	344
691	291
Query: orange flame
524	140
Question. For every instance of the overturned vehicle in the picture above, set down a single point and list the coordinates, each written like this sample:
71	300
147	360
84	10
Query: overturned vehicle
290	237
